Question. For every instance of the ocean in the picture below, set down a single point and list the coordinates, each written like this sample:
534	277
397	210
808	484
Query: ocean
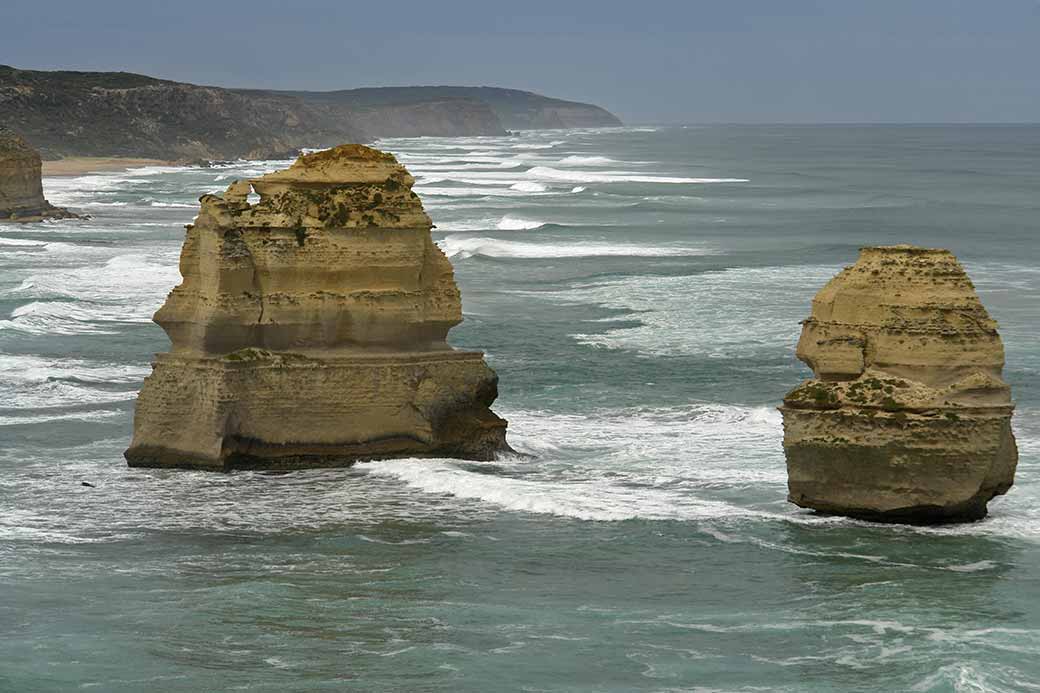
639	291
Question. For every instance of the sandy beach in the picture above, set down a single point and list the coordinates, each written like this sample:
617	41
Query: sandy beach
79	165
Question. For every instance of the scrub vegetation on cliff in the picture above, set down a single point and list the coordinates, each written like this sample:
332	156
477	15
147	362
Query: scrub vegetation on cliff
66	113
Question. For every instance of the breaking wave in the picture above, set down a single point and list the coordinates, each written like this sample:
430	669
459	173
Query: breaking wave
463	247
622	465
554	174
508	223
526	186
587	161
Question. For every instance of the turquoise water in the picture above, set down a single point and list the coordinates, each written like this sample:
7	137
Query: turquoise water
638	291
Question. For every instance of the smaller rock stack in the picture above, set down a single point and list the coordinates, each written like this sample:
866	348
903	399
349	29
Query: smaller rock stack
907	418
21	185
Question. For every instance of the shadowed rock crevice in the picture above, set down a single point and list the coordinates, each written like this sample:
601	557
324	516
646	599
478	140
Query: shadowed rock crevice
907	418
310	330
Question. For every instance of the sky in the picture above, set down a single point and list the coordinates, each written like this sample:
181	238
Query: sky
692	61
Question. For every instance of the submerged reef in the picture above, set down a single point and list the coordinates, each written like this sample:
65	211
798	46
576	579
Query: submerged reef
907	418
310	330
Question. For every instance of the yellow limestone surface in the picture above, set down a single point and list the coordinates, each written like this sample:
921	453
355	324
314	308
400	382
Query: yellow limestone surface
907	418
310	329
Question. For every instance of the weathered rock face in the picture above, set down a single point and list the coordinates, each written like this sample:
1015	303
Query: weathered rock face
907	419
21	187
310	328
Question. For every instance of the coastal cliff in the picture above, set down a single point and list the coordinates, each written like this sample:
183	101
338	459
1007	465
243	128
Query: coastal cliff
21	187
907	418
514	109
310	330
122	114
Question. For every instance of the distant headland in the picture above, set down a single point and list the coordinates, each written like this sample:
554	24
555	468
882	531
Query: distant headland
120	114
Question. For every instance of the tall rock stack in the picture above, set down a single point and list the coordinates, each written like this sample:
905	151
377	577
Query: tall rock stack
310	329
21	184
907	418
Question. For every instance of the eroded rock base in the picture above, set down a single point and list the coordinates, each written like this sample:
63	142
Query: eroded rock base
898	467
252	408
29	216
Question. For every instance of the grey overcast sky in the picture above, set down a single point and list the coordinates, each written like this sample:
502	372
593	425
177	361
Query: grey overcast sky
648	61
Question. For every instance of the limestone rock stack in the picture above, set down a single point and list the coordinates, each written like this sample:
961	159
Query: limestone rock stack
310	328
907	418
21	185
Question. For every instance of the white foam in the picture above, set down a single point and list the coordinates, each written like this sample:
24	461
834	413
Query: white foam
123	277
466	225
527	186
70	190
620	465
176	205
65	317
508	223
434	191
145	171
584	502
587	161
975	677
725	314
48	385
25	369
553	174
506	181
977	566
680	463
22	242
503	223
95	298
541	174
421	168
47	416
466	246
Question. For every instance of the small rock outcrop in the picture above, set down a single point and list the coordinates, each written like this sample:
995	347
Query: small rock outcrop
21	185
310	330
907	418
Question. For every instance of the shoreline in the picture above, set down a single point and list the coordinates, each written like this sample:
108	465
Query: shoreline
81	165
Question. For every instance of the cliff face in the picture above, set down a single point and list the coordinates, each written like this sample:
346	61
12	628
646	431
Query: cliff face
908	418
515	109
434	118
21	187
522	110
119	114
310	329
122	114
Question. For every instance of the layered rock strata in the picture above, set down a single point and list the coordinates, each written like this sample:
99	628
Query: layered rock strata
21	185
310	330
907	418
